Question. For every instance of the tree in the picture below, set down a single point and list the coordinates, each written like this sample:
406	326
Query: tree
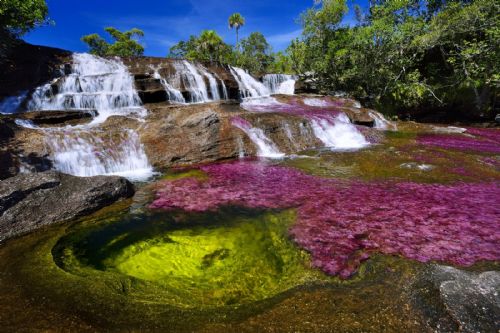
236	21
20	16
125	43
405	54
208	47
281	63
209	44
255	53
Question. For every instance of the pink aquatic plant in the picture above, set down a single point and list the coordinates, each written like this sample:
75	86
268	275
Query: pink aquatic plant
477	139
341	223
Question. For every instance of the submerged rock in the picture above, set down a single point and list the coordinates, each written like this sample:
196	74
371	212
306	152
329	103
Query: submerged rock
30	201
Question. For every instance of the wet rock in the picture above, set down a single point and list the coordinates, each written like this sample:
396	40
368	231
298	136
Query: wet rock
181	135
457	300
30	201
70	117
8	165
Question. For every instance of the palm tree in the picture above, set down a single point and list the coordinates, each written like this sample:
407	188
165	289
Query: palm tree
236	21
209	42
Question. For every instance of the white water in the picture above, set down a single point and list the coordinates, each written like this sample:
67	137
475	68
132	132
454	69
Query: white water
265	146
225	94
105	86
338	133
26	124
97	84
249	87
381	122
214	88
194	82
174	95
279	83
262	104
316	102
82	153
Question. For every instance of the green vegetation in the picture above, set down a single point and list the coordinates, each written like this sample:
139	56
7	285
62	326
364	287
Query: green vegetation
20	16
208	47
405	55
125	43
252	53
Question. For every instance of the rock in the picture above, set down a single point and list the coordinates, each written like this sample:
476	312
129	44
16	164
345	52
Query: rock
30	201
71	117
29	66
153	96
457	300
181	135
8	166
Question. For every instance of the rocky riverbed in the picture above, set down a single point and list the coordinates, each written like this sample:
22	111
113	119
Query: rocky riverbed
168	203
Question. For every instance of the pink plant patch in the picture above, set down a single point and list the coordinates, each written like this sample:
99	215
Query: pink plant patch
341	223
482	140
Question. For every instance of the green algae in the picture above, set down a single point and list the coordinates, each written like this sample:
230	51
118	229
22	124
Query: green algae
229	258
398	158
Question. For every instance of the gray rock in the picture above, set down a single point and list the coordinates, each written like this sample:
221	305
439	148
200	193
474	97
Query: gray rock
457	300
30	201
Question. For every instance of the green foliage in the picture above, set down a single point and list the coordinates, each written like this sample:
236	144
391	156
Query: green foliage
208	47
20	16
125	43
404	53
255	53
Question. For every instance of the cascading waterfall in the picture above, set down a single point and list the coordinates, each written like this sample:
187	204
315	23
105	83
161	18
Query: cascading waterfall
249	87
99	84
381	122
265	146
107	87
279	83
83	153
214	88
194	82
174	95
225	94
338	133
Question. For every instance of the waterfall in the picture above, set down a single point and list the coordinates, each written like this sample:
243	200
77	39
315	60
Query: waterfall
381	122
106	86
193	82
249	87
265	146
99	84
338	133
279	83
174	95
214	88
83	153
225	94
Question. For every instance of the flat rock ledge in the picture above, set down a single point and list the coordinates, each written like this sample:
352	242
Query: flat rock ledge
31	201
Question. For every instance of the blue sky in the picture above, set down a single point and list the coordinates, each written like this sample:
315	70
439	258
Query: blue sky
165	22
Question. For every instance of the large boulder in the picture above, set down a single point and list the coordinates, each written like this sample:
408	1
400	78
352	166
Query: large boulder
30	201
455	300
